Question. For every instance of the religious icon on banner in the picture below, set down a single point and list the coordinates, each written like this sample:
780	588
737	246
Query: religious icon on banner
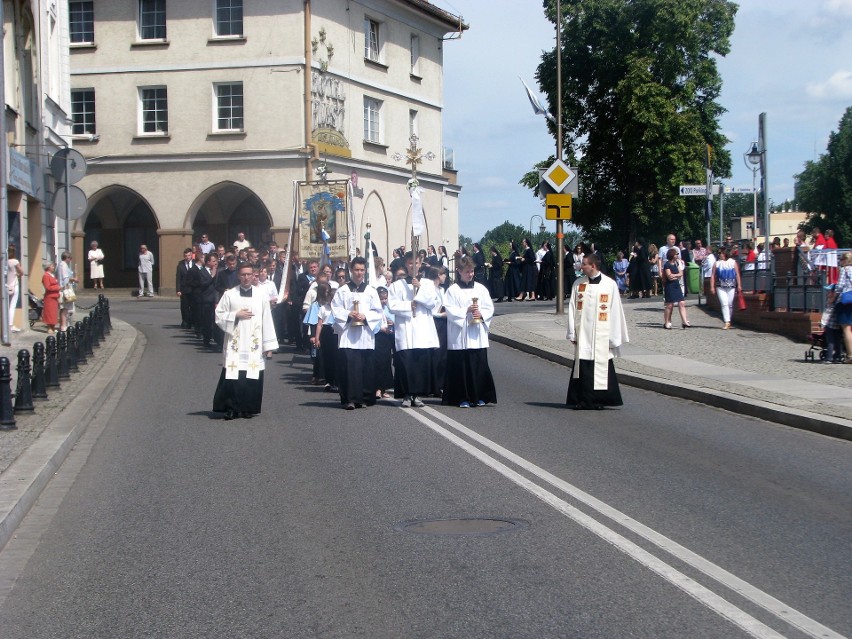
322	219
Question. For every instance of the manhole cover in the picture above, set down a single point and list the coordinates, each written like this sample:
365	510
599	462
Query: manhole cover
466	526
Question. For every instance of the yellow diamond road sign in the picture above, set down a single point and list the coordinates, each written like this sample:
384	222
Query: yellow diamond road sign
559	175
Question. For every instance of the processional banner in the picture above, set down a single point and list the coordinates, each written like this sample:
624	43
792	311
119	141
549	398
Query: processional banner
323	220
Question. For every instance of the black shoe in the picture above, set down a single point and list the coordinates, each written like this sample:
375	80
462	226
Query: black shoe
229	415
245	415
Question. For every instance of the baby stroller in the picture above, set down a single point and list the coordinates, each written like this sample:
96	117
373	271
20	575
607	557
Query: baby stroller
35	308
818	345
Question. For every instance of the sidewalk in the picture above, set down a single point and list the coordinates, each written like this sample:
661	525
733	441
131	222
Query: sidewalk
32	454
744	371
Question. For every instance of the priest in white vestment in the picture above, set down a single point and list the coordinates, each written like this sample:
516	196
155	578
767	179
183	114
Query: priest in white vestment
468	381
357	316
596	327
411	300
245	316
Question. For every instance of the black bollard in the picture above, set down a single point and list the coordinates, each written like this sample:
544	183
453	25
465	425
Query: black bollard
72	348
62	368
93	320
87	330
7	411
99	314
38	387
104	302
51	368
80	333
23	392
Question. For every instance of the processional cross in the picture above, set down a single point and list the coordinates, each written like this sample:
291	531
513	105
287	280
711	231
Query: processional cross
413	156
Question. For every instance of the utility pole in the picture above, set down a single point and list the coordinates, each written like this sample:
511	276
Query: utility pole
560	229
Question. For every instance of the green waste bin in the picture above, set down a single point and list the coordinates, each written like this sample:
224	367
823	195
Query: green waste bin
693	278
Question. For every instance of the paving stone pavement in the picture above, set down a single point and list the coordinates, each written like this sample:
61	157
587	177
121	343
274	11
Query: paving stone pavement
31	425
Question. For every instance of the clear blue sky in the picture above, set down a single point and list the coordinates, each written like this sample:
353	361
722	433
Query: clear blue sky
789	58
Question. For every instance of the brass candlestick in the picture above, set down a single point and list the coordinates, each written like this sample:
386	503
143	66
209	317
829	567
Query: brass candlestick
476	320
356	322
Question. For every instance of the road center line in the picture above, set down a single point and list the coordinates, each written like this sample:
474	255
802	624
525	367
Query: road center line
699	592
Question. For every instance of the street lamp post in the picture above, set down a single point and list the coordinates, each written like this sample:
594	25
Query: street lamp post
541	229
751	158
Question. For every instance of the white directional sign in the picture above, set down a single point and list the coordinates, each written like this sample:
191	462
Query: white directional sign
740	189
697	189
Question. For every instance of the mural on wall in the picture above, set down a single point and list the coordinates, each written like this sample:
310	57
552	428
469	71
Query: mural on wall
328	103
322	219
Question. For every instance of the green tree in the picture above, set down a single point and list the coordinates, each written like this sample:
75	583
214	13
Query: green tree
824	188
464	240
501	236
639	99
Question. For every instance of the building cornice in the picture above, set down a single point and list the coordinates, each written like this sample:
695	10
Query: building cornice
257	64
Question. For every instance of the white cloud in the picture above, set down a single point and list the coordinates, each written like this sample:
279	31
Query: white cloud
839	85
841	7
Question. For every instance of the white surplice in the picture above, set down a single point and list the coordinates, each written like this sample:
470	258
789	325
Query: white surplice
357	337
461	333
596	323
413	328
246	340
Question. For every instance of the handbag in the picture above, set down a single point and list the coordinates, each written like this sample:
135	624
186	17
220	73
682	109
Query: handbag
68	295
741	303
845	297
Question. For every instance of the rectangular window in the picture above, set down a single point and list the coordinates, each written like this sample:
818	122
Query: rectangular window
415	55
371	39
152	19
155	110
229	107
81	21
372	122
412	123
83	111
229	18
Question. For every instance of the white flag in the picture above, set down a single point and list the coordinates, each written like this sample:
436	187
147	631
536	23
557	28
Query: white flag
536	105
418	220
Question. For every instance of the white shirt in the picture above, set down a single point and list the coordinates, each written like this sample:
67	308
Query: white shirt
357	337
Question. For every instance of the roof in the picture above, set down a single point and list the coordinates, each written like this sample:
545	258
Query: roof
452	22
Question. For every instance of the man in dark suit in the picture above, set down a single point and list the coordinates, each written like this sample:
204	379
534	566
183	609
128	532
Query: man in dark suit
303	283
203	283
184	292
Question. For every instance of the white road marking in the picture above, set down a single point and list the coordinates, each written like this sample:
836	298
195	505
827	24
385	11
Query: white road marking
702	594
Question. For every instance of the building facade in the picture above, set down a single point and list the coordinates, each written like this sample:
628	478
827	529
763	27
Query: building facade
197	116
36	92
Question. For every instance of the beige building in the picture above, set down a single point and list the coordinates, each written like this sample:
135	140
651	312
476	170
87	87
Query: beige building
36	90
197	116
782	224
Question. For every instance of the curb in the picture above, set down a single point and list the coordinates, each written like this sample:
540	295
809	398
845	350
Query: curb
822	424
22	483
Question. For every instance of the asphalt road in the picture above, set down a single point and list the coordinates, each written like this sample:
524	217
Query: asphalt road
662	519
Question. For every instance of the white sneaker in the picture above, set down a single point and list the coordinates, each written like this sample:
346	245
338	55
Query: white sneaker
15	329
406	403
417	403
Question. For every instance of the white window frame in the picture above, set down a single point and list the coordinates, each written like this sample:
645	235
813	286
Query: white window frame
87	116
372	120
372	40
141	15
158	131
414	48
218	106
85	22
233	6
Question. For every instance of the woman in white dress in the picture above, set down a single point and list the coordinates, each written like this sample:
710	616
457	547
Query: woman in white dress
13	285
96	267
